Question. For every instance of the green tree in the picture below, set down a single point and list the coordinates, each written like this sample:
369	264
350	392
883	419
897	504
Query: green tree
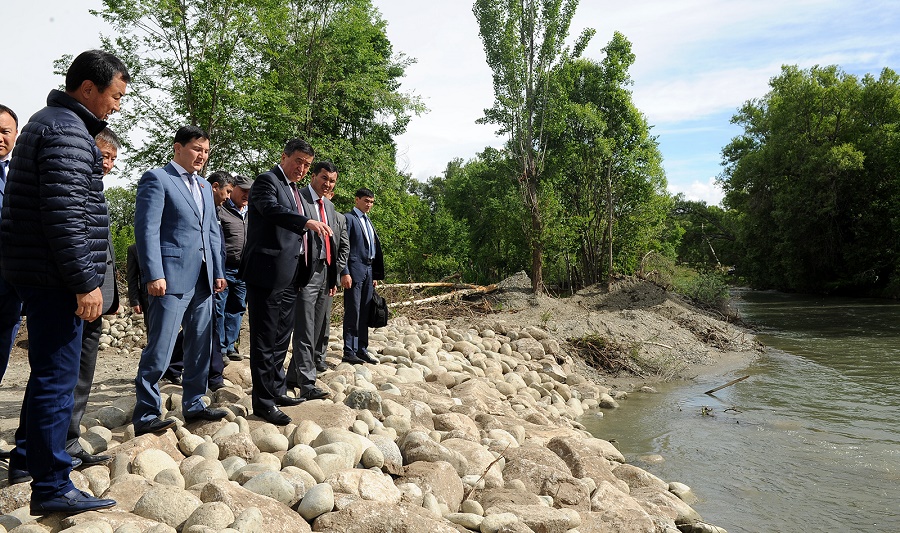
524	40
606	168
254	73
814	181
708	235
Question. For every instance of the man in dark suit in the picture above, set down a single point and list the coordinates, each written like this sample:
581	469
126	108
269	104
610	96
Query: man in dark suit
108	144
365	265
318	282
279	231
179	250
10	304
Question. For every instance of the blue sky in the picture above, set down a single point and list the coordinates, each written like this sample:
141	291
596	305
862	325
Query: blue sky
697	62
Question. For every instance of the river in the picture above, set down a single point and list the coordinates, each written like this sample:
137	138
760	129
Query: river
810	442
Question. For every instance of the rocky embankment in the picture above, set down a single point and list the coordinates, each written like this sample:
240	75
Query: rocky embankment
457	429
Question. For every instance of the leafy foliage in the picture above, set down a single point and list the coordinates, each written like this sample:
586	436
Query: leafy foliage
814	181
524	40
605	167
254	73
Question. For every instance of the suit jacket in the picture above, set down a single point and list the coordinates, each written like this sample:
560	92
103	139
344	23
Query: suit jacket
137	289
172	240
110	289
275	231
358	258
344	243
316	242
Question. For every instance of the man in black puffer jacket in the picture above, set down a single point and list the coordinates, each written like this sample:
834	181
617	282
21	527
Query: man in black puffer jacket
53	239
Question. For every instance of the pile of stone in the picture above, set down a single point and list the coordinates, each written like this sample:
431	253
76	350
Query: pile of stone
456	430
122	332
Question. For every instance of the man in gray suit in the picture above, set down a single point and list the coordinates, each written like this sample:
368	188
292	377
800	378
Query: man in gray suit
340	229
319	279
179	251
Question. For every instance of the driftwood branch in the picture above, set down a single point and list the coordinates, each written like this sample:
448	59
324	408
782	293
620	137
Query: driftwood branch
475	289
730	383
486	470
425	285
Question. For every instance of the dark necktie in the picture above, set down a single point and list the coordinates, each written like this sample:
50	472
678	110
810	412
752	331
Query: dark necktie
305	233
326	239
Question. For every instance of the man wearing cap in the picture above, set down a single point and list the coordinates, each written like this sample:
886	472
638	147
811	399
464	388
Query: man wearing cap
230	303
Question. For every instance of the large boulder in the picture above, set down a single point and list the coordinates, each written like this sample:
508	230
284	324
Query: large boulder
479	459
277	517
169	505
613	510
366	484
364	516
438	478
584	459
418	446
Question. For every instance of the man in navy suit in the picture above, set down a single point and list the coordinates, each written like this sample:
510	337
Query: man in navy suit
365	265
319	282
179	251
279	231
10	304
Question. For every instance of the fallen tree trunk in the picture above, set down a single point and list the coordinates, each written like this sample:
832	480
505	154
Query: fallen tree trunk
475	289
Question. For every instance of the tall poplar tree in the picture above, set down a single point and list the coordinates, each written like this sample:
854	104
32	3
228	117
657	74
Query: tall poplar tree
524	40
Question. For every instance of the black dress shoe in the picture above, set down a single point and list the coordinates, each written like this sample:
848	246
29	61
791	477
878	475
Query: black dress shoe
321	366
314	393
208	413
368	358
172	378
157	425
72	502
273	415
15	476
353	360
287	401
4	454
234	356
216	386
88	459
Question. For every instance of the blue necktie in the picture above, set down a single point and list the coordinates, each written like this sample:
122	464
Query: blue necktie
3	166
371	236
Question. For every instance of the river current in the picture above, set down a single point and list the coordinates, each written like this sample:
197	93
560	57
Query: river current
810	442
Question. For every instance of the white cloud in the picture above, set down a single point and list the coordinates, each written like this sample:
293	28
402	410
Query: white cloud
708	191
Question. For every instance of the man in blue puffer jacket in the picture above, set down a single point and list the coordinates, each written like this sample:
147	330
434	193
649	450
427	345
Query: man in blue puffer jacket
53	240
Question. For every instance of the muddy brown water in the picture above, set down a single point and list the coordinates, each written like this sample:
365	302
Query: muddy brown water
810	442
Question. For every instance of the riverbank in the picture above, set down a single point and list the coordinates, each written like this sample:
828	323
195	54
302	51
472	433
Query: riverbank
467	424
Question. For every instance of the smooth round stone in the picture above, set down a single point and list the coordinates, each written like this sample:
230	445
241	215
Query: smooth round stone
274	442
472	507
317	501
207	450
372	457
214	515
189	443
467	520
150	462
493	523
271	461
273	485
171	477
